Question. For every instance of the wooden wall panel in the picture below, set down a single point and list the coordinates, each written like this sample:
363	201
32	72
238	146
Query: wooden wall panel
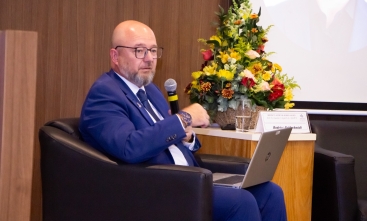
74	42
18	61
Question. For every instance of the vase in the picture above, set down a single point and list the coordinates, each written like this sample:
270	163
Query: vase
226	119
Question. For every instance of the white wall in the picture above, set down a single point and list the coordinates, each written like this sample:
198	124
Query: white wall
322	43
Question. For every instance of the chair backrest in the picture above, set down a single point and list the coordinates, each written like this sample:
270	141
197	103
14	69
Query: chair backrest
68	125
348	138
81	183
72	138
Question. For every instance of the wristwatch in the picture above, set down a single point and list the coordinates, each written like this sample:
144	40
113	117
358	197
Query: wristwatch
185	118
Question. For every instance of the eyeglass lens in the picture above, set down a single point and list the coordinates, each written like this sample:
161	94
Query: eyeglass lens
142	52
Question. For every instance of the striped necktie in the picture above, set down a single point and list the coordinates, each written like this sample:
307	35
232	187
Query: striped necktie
144	100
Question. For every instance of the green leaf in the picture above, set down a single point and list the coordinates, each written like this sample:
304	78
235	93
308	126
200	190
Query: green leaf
215	42
254	39
209	99
221	9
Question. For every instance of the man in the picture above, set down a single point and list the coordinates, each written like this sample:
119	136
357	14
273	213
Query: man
117	118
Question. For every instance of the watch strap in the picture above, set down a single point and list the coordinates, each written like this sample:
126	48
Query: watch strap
185	118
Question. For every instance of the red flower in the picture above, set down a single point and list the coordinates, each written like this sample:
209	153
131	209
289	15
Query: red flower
248	82
276	82
277	91
275	95
207	55
203	66
188	88
260	49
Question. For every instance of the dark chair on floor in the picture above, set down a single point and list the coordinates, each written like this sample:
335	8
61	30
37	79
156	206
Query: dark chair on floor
340	171
81	183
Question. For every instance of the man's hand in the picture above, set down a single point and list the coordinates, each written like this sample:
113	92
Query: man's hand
199	116
188	131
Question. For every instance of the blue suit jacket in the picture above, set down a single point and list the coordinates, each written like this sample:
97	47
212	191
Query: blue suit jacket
114	121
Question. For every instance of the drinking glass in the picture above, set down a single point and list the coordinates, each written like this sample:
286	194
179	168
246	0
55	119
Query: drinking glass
243	115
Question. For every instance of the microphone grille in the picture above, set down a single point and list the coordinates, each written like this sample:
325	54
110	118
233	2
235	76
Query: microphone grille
170	85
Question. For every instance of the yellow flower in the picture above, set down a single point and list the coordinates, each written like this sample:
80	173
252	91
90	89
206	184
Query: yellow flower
277	66
253	16
196	74
224	57
194	84
225	74
245	15
288	95
288	105
267	75
216	38
237	65
235	55
256	68
229	32
210	70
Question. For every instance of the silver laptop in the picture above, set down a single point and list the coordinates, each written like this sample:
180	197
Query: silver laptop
263	163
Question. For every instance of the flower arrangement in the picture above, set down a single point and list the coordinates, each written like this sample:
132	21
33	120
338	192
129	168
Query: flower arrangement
237	67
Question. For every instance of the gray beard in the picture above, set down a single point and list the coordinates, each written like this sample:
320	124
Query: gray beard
139	80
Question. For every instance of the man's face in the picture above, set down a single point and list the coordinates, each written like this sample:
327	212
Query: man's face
139	71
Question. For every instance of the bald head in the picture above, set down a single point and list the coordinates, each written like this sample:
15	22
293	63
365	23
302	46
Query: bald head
131	31
131	36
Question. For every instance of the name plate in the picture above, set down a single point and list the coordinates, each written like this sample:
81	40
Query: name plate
273	120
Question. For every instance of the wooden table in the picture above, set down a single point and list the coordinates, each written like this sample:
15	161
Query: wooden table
294	172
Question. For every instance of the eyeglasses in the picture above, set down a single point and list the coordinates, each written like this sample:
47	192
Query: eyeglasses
141	52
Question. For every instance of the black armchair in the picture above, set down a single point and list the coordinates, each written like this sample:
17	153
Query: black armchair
340	171
81	183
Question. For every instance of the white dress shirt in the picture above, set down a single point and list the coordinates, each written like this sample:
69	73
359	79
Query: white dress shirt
176	153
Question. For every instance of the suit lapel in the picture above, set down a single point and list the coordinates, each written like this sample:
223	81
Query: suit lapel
131	96
159	104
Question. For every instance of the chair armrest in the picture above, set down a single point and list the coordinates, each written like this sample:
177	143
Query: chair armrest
223	164
69	125
334	195
362	206
75	177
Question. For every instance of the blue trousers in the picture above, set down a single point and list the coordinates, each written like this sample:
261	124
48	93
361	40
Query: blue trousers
264	202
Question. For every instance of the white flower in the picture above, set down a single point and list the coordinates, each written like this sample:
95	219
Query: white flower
248	73
232	60
264	86
252	54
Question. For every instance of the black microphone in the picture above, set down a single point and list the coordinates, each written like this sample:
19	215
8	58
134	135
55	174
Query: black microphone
171	86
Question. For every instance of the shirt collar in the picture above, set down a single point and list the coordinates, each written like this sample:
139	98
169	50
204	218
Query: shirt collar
132	86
